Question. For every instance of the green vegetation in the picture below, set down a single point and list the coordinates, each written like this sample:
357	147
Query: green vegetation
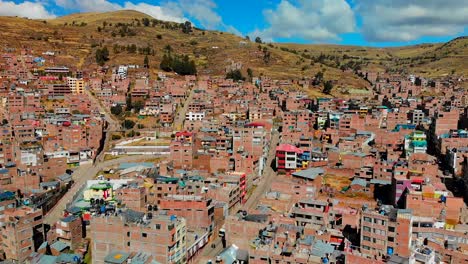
146	62
236	75
250	73
102	55
327	87
180	64
128	124
116	137
186	27
116	110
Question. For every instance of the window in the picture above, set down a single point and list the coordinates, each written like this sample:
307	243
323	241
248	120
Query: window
366	238
144	235
368	219
391	239
379	232
128	234
391	229
128	243
379	221
157	226
367	229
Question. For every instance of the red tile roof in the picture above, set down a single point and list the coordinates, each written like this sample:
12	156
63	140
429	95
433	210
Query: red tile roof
184	133
288	148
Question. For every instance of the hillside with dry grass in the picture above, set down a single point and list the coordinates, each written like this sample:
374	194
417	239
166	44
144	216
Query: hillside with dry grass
430	60
130	36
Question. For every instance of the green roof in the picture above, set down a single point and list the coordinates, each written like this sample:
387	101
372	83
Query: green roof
101	186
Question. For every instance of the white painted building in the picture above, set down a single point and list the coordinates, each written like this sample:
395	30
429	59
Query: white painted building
195	116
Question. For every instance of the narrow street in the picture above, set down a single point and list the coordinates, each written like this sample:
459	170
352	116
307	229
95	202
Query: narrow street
267	177
112	124
180	116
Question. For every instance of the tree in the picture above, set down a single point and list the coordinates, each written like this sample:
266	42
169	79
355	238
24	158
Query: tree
258	40
250	73
166	62
128	124
266	55
102	55
137	106
116	110
180	64
168	48
146	22
318	78
146	62
236	75
131	133
186	27
128	102
327	87
132	48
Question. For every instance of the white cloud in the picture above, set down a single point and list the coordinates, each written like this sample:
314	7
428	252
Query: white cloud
318	20
203	11
158	12
27	9
406	20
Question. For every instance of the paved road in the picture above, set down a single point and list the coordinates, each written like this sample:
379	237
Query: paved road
180	116
80	176
267	177
208	251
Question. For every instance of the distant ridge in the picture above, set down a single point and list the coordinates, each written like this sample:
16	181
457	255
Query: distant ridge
76	37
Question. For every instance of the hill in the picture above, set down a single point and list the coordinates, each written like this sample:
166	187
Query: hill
430	60
131	35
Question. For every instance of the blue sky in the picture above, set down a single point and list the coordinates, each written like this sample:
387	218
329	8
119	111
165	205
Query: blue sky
350	22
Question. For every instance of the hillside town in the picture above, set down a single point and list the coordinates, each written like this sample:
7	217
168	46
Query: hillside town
114	165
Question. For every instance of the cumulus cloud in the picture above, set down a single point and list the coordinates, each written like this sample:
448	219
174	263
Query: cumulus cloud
318	20
203	11
34	10
158	12
405	20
